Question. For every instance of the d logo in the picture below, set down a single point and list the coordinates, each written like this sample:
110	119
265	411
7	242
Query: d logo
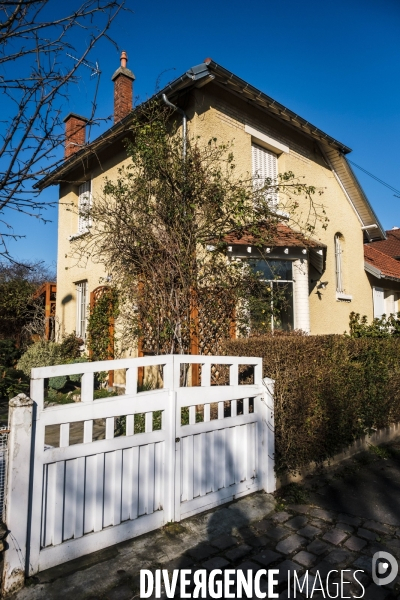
384	568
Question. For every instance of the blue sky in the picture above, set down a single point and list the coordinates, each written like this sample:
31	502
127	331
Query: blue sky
334	63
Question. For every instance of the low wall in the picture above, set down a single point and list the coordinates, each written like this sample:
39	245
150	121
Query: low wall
382	436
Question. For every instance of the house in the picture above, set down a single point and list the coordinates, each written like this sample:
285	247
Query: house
382	264
325	279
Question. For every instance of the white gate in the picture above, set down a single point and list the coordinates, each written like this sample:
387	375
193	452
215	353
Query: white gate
166	454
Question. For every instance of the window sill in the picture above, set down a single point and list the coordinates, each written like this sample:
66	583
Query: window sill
75	236
343	297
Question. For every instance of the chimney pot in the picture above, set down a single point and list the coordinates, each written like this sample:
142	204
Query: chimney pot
124	59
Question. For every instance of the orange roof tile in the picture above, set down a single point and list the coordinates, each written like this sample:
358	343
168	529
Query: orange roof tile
284	236
389	267
390	246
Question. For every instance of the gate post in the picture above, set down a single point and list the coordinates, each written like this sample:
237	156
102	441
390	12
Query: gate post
17	492
269	483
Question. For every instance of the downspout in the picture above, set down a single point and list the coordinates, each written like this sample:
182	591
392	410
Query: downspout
184	123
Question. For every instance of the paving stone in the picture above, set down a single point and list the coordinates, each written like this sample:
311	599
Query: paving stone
223	542
364	563
201	551
297	522
248	565
325	515
267	557
375	592
309	531
345	527
290	544
355	543
355	577
258	541
349	519
277	533
300	508
366	534
378	527
182	562
338	556
281	517
394	547
121	592
246	532
239	552
305	558
335	536
323	569
286	567
318	547
215	563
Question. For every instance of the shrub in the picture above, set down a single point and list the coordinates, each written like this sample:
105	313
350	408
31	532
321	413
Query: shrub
41	354
329	390
9	353
47	354
12	382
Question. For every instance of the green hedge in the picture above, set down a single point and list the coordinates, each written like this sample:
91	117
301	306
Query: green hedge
329	391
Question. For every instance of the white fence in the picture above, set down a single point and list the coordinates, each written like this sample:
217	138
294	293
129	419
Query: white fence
199	447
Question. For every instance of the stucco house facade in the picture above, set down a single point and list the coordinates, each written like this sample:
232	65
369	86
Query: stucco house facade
327	278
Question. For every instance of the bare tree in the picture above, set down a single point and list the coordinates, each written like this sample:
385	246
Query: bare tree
43	44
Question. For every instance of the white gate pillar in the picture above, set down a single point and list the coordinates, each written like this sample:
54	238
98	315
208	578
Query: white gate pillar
268	439
17	492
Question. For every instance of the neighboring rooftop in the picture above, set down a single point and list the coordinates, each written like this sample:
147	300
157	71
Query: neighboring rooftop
390	246
380	264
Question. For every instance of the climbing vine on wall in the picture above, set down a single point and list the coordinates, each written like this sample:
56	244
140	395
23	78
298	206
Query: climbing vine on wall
102	316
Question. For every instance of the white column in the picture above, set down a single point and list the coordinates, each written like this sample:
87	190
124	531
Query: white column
301	294
17	494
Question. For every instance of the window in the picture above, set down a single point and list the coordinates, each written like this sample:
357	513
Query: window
264	166
338	264
277	277
81	309
84	205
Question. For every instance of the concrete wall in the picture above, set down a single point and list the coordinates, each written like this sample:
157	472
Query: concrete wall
213	113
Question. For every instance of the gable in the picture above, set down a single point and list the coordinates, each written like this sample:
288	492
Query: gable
209	71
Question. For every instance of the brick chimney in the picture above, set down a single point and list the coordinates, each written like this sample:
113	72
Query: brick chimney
75	133
123	80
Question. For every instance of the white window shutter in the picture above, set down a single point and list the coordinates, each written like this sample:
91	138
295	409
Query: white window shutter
264	166
84	204
390	308
379	302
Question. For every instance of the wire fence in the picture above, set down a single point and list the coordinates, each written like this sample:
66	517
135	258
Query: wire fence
4	433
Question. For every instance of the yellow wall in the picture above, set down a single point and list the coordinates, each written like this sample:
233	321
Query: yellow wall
212	113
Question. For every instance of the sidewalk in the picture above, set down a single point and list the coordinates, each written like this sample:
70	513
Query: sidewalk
346	515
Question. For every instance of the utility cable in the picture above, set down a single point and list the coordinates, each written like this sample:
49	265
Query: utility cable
373	176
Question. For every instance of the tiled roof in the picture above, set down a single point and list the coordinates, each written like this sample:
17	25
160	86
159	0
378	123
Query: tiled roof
284	236
389	267
390	246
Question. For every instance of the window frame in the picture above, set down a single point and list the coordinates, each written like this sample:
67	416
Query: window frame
81	288
84	200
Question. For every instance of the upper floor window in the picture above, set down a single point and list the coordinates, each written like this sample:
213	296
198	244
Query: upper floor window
339	263
265	167
81	309
84	205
